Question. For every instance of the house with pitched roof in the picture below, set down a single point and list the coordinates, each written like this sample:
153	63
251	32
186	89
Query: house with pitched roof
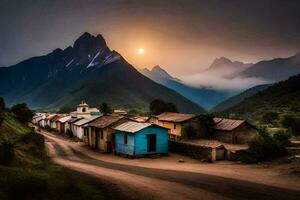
84	111
234	131
78	129
99	133
137	139
175	122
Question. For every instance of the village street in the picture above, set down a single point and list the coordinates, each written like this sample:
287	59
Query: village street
166	178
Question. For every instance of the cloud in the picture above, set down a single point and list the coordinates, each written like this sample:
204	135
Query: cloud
221	83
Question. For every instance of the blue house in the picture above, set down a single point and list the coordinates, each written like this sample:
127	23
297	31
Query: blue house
139	139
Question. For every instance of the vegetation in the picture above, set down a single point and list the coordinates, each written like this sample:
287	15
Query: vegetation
22	112
158	106
105	108
65	109
27	173
2	105
269	117
292	123
266	147
202	129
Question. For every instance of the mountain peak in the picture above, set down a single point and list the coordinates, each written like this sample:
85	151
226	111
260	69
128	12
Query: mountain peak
160	71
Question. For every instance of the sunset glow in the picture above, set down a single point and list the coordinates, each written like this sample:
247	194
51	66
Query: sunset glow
141	51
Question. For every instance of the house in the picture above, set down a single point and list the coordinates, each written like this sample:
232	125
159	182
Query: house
62	124
78	125
48	118
175	122
99	133
120	112
53	121
139	139
234	131
71	125
84	111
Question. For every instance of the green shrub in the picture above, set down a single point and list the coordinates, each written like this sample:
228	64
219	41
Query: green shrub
269	117
35	143
265	147
7	151
22	112
292	123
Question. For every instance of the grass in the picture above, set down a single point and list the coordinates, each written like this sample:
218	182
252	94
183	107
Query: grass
30	174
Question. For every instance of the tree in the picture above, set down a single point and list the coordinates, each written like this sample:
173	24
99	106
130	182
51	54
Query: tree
65	109
292	123
105	108
269	117
207	123
158	106
22	112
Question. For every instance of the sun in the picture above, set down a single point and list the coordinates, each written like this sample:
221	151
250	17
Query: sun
141	51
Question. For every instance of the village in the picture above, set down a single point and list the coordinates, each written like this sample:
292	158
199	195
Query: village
135	136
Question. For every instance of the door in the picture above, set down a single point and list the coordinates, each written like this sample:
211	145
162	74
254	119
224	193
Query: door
151	143
220	154
97	138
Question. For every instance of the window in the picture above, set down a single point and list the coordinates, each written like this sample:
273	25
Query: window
125	138
174	126
101	135
83	109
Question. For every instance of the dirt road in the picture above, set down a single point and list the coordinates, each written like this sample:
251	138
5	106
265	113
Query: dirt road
165	178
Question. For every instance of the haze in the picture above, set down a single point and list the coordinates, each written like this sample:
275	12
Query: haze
183	36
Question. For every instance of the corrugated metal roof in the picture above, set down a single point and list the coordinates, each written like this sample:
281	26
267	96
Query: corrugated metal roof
73	120
139	118
64	119
86	120
106	120
132	127
227	124
174	117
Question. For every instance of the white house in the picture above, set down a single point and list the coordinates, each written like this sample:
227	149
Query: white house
84	111
78	125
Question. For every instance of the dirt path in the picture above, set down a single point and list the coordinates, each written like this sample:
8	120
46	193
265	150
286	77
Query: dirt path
165	178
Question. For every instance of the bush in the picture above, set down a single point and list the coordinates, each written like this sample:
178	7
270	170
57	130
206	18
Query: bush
265	147
292	123
2	105
35	143
22	112
7	151
269	117
158	106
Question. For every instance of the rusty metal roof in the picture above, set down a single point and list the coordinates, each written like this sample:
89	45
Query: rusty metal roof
132	127
106	120
64	119
174	117
138	118
86	120
223	124
73	120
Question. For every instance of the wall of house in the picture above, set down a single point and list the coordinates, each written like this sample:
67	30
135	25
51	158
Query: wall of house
241	135
173	130
245	133
79	132
122	148
141	142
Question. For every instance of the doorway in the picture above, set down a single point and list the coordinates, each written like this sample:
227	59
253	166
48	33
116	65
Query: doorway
97	138
151	143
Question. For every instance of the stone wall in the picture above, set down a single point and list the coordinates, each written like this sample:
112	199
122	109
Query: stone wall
191	150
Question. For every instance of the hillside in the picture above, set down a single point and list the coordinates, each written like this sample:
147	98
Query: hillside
30	175
88	70
204	97
274	70
232	101
281	97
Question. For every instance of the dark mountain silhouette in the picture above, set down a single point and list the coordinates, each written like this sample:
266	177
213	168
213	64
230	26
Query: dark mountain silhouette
274	70
89	70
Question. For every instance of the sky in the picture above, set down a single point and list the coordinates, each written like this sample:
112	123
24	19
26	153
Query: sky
182	36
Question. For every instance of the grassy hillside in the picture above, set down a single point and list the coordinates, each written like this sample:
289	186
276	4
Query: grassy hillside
281	98
232	101
30	175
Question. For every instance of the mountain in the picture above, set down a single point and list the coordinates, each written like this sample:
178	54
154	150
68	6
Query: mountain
224	67
87	70
282	97
232	101
274	70
202	96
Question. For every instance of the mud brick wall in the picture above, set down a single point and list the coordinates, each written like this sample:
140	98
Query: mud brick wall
191	150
